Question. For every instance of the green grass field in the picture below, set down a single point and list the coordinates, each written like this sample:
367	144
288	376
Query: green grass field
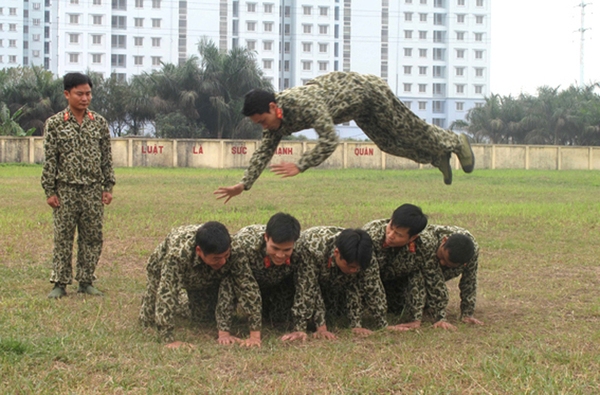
539	288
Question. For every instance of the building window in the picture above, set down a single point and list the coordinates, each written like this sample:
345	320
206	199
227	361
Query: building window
267	64
36	6
12	43
138	41
439	53
138	22
460	106
37	37
460	36
407	87
407	1
74	38
478	72
478	54
460	18
478	89
460	53
323	66
407	70
73	58
422	105
408	104
479	3
422	17
422	34
118	41
439	19
251	26
139	3
119	22
138	60
155	3
460	71
408	16
423	1
286	47
479	105
324	11
439	36
439	89
96	39
323	29
323	48
12	27
307	29
460	88
36	53
422	70
460	2
268	45
438	3
479	19
441	122
306	9
96	2
306	47
118	61
408	52
408	34
422	52
96	58
437	106
155	60
119	5
73	19
287	10
268	8
306	65
251	7
286	29
268	26
97	19
12	11
156	42
251	45
478	36
422	88
156	23
12	59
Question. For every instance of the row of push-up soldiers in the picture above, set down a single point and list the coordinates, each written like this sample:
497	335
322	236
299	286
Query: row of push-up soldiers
395	265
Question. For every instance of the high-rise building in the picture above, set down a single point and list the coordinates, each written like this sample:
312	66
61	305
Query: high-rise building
435	54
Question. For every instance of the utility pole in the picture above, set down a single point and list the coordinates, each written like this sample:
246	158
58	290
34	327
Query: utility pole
582	30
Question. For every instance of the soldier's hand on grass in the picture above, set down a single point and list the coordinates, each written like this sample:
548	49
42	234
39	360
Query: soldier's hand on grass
178	344
106	198
252	341
229	192
444	325
362	332
472	320
53	201
323	333
225	338
294	336
285	169
405	327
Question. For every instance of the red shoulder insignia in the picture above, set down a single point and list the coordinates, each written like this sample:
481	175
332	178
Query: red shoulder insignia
267	262
90	115
66	116
412	247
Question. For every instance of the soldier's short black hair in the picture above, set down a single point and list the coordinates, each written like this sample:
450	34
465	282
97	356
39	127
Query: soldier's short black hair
411	217
460	248
213	238
257	102
283	228
71	80
355	246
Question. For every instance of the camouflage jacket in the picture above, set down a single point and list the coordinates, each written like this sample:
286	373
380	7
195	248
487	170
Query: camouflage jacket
175	265
317	269
253	271
322	103
77	154
432	237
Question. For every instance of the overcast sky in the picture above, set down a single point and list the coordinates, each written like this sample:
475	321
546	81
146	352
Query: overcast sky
537	42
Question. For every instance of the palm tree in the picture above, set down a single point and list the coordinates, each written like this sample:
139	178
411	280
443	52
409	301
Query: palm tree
9	125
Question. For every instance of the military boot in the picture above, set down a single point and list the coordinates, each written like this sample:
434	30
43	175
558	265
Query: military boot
86	288
465	155
58	291
445	168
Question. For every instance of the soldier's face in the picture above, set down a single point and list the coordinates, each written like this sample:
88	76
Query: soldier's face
443	256
397	237
345	267
279	252
267	120
79	97
215	261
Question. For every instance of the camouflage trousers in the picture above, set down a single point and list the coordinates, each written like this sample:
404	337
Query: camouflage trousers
80	209
396	130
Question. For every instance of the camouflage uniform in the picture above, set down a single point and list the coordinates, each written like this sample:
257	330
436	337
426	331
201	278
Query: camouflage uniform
340	97
174	266
414	274
273	288
320	281
77	169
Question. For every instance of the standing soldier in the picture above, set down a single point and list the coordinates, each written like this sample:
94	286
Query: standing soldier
265	251
340	97
335	263
78	179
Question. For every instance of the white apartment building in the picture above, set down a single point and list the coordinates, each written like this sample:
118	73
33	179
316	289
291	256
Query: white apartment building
435	54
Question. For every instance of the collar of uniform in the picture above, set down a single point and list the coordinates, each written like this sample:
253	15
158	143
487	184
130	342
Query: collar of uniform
268	262
69	114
